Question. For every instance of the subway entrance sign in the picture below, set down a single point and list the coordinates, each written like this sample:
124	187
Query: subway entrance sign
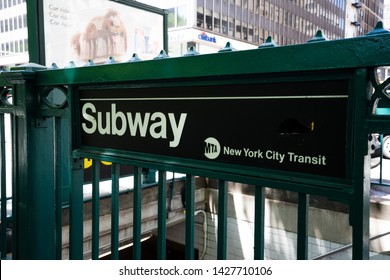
289	126
297	118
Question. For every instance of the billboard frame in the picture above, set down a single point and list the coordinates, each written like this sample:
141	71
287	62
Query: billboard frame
36	32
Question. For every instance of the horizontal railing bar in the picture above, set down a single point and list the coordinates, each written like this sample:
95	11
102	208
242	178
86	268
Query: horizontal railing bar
346	247
379	124
159	161
333	190
7	110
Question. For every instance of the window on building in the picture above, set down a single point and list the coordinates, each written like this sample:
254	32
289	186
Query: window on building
25	45
182	16
171	17
21	46
25	20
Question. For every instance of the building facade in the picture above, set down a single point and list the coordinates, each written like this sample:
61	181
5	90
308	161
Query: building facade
288	22
13	32
248	23
362	16
386	14
208	24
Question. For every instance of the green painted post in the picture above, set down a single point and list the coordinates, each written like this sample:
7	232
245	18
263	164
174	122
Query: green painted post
58	166
95	208
222	220
3	182
190	219
75	167
360	205
115	211
162	215
302	239
259	223
34	186
137	206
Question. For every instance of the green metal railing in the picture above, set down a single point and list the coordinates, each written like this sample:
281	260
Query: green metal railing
50	145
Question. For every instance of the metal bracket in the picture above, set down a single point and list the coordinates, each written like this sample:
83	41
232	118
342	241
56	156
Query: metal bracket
379	90
41	123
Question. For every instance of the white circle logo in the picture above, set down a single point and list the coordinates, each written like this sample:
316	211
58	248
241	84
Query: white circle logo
212	148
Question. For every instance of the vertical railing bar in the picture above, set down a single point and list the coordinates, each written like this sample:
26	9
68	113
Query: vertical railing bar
115	211
76	211
381	159
58	186
190	219
76	194
222	220
302	239
95	208
259	223
3	189
137	206
162	215
14	193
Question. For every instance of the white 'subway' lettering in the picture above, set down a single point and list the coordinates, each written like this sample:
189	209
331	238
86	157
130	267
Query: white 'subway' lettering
137	124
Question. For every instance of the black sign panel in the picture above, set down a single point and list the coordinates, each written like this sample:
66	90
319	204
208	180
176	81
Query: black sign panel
296	126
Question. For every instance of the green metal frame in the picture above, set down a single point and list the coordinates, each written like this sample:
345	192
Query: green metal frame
37	130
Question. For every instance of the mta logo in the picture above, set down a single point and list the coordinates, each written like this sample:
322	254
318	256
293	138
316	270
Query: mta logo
212	148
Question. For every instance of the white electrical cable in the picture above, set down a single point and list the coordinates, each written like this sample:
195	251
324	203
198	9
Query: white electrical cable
204	232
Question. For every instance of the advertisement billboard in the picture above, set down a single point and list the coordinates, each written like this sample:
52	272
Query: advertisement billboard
80	31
